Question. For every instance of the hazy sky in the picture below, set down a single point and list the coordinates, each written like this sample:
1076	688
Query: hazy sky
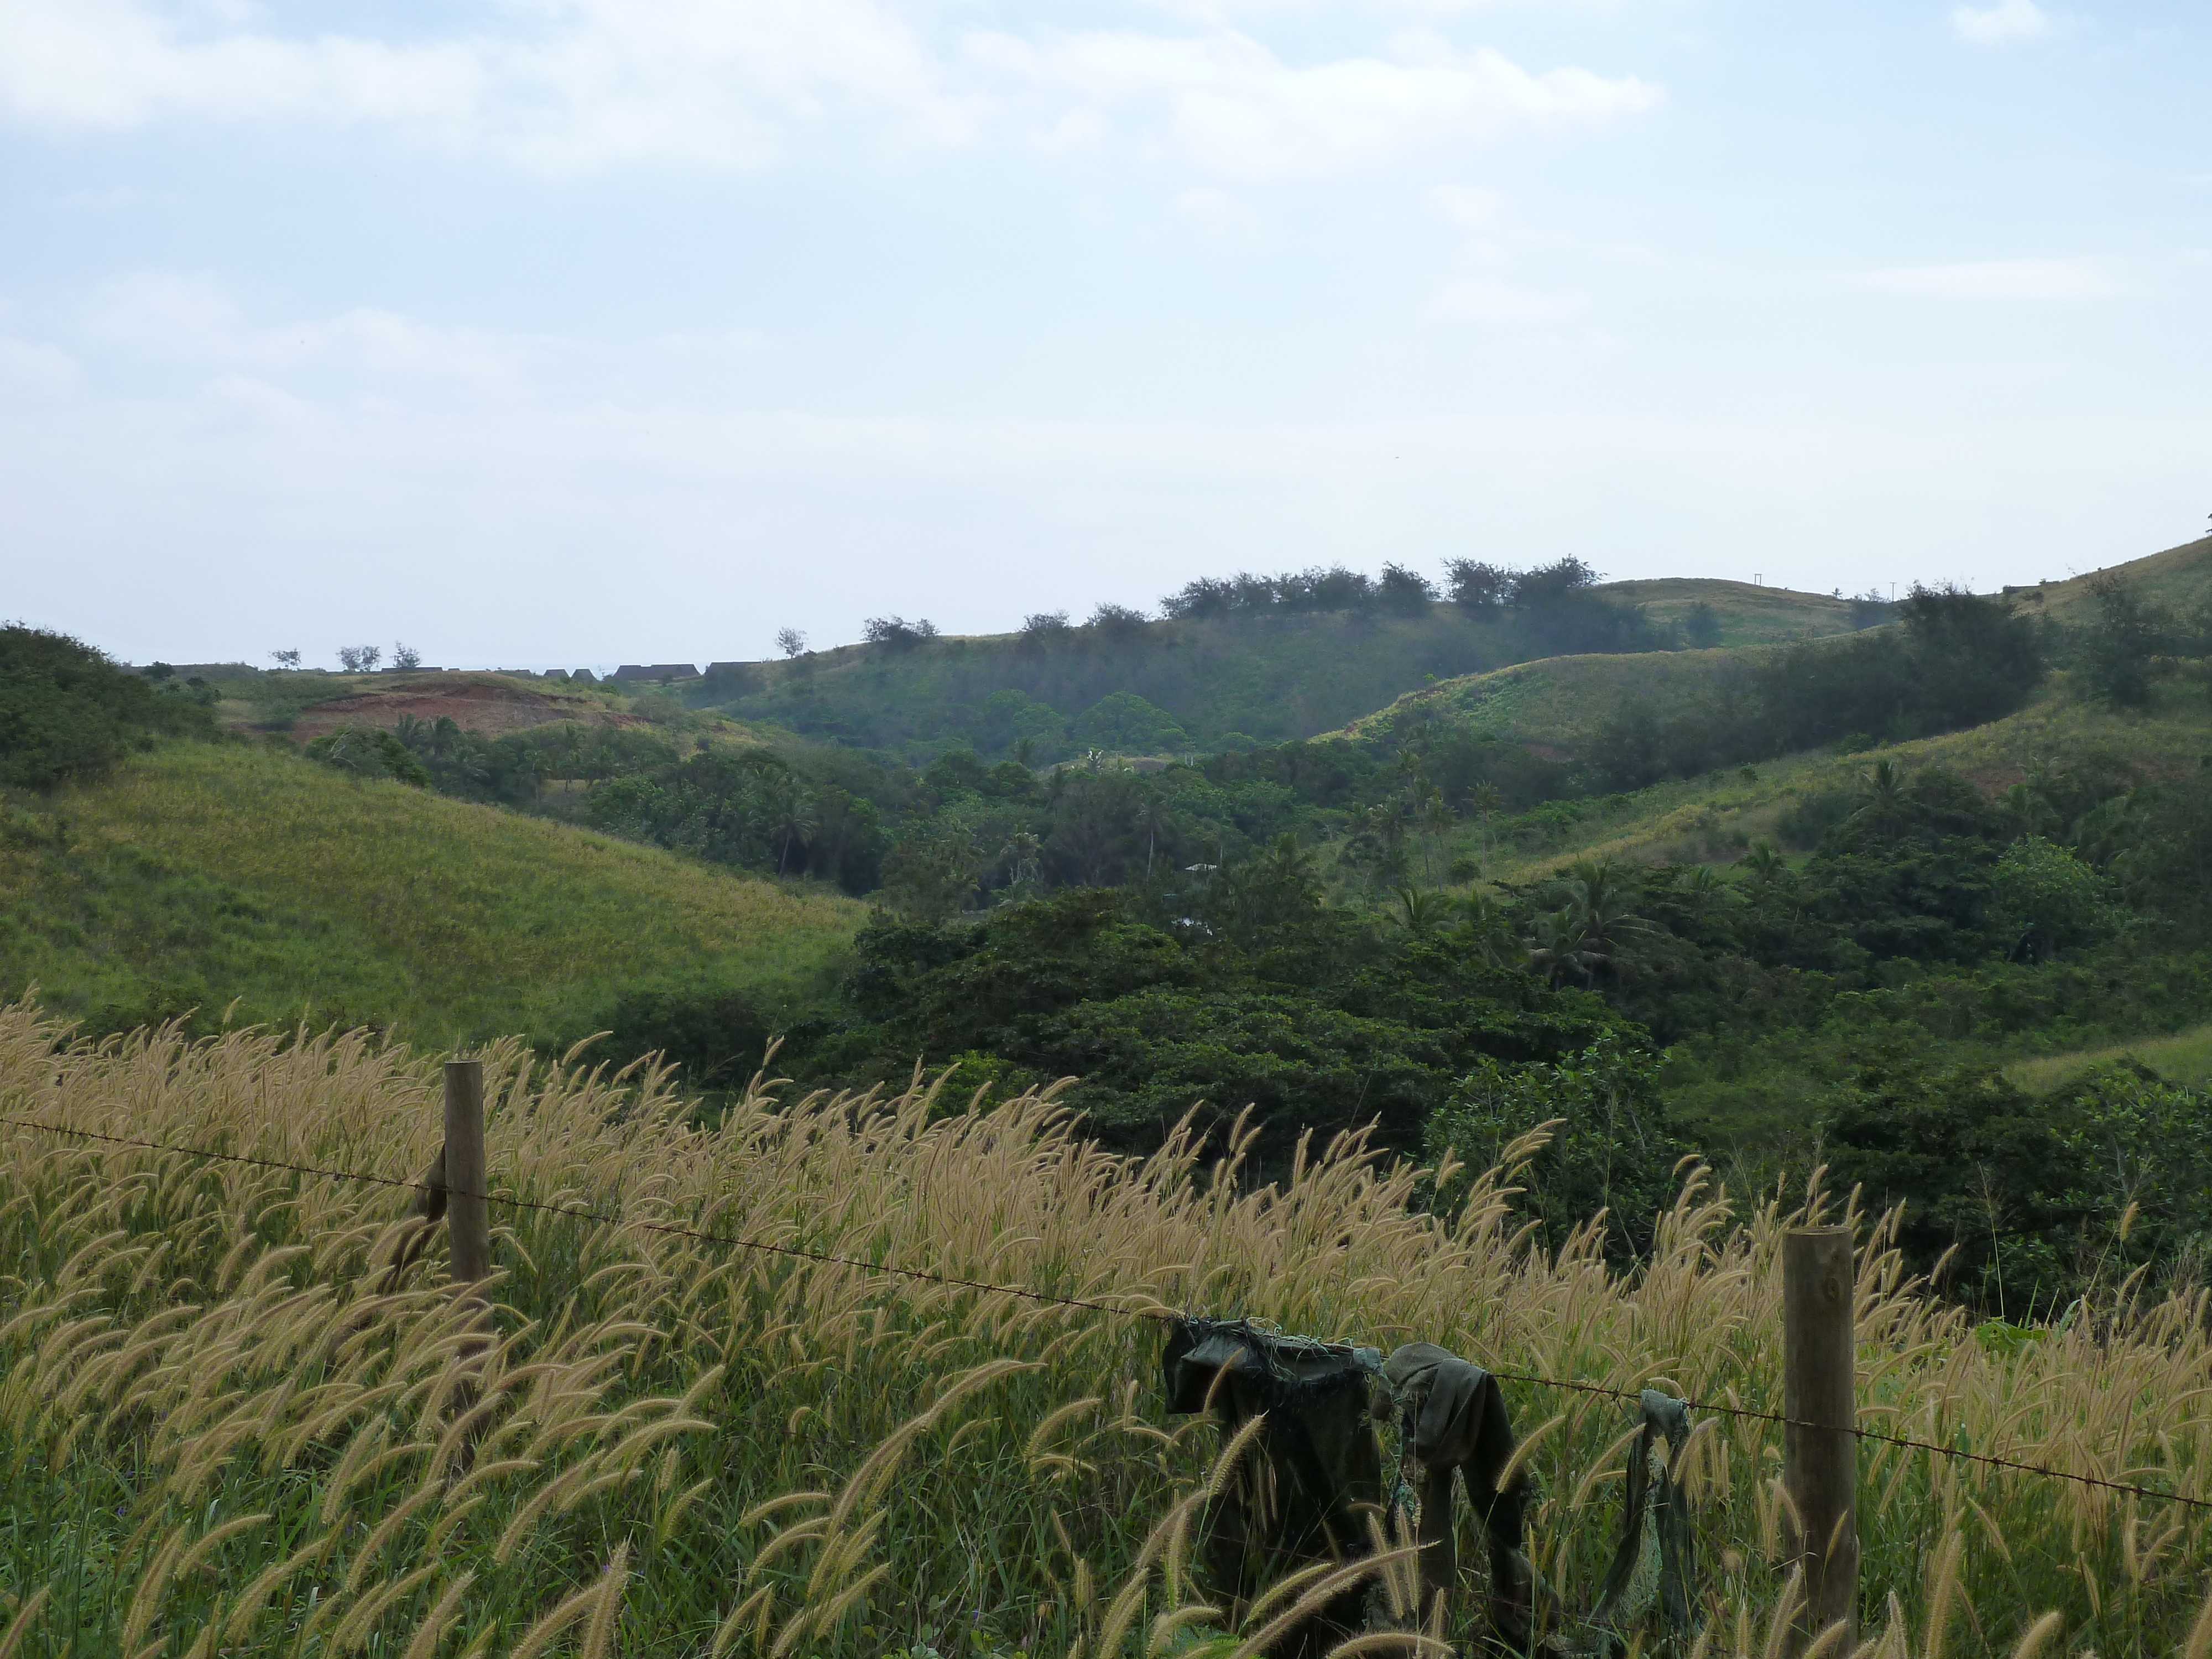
554	331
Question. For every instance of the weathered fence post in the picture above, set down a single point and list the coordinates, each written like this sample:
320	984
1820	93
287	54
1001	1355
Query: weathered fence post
1819	1454
468	1217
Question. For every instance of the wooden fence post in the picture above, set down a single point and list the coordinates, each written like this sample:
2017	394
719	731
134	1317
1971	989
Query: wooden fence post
468	1217
1819	1462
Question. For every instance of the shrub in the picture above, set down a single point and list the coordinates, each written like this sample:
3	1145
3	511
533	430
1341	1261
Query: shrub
66	712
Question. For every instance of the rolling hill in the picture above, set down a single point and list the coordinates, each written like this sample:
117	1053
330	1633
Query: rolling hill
2181	577
1713	819
1202	684
204	874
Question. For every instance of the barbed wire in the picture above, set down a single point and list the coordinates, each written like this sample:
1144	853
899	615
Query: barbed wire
1157	1315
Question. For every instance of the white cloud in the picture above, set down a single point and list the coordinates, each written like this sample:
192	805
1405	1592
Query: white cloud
1218	213
1482	293
1499	304
2047	280
563	84
2001	24
570	83
1234	108
194	319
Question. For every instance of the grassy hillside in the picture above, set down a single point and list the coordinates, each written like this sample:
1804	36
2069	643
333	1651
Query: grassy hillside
674	1447
1213	684
2183	1057
199	874
1549	705
1742	613
1713	819
2181	577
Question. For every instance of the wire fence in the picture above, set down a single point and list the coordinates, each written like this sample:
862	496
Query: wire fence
1156	1314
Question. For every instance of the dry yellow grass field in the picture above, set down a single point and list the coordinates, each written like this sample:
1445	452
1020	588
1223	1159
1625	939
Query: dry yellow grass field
230	1430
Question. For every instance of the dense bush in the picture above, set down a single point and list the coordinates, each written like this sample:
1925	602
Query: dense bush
1957	660
2027	1203
67	713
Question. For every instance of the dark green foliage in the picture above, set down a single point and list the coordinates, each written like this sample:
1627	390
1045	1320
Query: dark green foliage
369	751
1958	660
1612	1145
67	713
2026	1198
1233	987
715	1032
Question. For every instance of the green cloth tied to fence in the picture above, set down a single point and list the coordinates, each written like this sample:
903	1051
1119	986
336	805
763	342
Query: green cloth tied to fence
1655	1561
1452	1422
1307	1492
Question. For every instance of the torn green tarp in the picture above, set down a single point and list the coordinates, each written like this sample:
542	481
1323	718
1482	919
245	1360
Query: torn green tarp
1656	1559
1452	1421
1315	1482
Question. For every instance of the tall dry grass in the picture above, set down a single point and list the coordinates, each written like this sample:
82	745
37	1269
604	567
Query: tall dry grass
227	1430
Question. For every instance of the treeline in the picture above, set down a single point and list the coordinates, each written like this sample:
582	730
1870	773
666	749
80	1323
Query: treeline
1559	606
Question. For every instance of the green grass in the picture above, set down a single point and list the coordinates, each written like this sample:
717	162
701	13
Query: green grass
1748	615
202	874
2184	1058
2181	577
1710	819
1551	704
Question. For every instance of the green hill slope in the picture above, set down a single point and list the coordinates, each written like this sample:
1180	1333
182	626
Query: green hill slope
1742	613
1202	684
1713	819
199	874
2181	577
1550	704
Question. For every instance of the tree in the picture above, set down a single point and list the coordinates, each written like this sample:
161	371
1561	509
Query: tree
67	712
1117	622
405	656
285	659
1477	588
1405	591
1152	819
1884	807
792	816
897	633
2118	657
790	643
360	658
1701	626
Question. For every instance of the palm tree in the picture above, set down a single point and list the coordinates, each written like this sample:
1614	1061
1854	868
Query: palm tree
791	815
1764	861
1488	932
1562	946
1419	912
1598	894
1884	807
1152	819
1021	853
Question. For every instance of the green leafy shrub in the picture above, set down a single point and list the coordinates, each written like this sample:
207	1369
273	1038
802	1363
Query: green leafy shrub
67	713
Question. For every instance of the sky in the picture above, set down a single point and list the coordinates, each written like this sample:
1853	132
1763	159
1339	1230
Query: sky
566	333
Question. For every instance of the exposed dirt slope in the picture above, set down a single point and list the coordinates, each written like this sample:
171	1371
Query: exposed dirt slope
479	702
